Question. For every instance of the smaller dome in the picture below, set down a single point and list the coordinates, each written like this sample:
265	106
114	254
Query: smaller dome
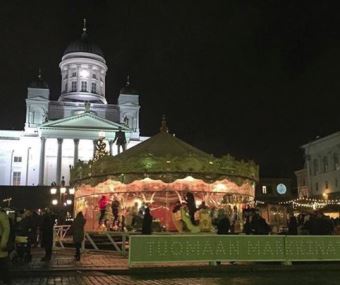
83	45
39	82
128	89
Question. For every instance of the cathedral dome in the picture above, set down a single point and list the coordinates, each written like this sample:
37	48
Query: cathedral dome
84	45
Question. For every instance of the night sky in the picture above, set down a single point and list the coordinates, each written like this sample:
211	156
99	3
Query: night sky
256	79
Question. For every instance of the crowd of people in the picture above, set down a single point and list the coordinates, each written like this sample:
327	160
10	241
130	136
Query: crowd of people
22	230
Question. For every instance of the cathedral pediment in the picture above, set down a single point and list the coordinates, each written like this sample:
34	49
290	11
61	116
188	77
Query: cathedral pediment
87	121
83	126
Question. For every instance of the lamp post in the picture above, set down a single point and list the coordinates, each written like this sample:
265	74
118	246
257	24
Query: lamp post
62	198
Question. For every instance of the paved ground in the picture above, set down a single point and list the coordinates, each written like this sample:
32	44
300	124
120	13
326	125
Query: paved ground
250	278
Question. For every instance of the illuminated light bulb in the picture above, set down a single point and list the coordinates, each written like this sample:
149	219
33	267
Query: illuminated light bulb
53	191
71	191
84	73
62	190
54	202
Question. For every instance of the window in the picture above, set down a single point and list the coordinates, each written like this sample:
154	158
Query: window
316	186
325	164
17	159
74	86
94	76
74	74
66	75
16	178
264	189
336	161
83	86
326	184
315	167
94	88
65	88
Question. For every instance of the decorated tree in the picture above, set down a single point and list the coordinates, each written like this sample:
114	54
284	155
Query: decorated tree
100	149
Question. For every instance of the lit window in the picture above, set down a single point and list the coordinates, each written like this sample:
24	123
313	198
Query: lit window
16	178
94	88
74	86
264	189
83	86
17	159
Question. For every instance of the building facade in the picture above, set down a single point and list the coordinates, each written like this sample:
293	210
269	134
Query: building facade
321	175
59	133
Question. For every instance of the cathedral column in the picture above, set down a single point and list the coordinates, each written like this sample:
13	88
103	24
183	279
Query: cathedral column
110	144
59	158
94	147
76	150
42	160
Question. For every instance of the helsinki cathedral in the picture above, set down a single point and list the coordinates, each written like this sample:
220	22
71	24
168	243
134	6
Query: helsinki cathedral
59	133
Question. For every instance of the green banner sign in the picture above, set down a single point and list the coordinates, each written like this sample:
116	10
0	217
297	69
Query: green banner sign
196	248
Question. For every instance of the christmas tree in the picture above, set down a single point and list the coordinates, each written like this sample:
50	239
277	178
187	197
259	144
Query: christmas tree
100	149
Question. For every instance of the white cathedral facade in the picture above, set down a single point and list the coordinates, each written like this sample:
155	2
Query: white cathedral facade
59	133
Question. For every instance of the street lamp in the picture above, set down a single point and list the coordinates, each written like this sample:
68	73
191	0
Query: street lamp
59	195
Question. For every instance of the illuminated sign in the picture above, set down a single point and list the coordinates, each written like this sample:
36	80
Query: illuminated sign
198	248
281	189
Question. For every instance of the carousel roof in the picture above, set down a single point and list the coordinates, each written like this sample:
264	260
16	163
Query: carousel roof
167	158
163	144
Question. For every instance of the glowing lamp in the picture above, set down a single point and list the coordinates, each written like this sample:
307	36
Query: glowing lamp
62	190
84	73
71	191
54	202
69	202
53	191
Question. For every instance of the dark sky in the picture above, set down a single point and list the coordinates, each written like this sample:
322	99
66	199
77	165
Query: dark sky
253	78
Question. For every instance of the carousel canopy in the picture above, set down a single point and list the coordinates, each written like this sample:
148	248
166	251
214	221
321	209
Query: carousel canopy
167	158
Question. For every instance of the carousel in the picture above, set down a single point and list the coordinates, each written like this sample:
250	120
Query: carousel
168	176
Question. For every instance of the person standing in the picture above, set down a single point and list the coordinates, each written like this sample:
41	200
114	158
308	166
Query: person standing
47	225
147	222
103	202
292	225
121	140
78	233
4	236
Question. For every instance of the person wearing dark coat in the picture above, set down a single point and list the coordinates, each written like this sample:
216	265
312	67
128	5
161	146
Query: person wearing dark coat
78	233
259	225
190	200
47	224
223	225
147	222
292	226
